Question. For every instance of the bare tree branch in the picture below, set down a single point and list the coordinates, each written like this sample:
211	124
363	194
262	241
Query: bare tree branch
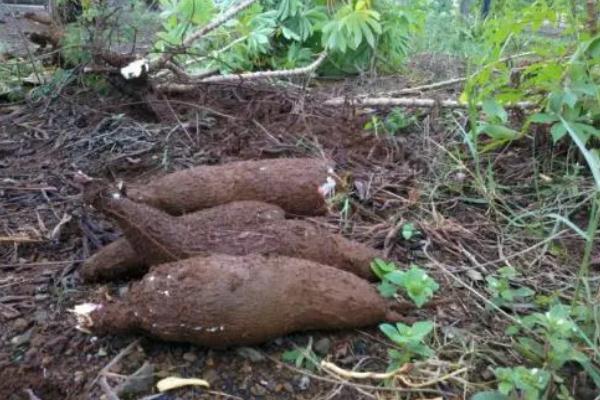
409	102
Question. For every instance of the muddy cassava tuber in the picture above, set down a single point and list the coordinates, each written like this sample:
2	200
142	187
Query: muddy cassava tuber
119	260
223	300
293	184
158	237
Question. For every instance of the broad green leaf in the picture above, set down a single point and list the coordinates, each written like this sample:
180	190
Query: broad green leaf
387	289
500	132
391	332
592	48
291	355
590	156
558	131
396	277
422	329
542	118
523	292
494	110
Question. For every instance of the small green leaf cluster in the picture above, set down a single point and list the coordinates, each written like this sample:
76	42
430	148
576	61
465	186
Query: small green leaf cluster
396	121
501	289
302	357
352	24
415	282
548	340
410	341
528	384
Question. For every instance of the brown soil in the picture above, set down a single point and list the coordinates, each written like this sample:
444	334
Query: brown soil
292	184
220	301
158	237
119	260
108	135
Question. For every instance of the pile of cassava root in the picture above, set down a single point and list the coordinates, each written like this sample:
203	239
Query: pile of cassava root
224	259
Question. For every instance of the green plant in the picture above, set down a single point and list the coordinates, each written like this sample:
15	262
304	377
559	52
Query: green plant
522	383
352	24
409	231
415	282
302	357
501	289
396	121
548	340
410	341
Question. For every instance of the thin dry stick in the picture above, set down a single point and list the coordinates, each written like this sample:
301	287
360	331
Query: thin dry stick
431	86
340	381
108	391
116	359
344	373
433	381
282	73
19	239
410	102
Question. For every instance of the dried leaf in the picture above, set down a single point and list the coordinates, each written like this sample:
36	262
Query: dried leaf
174	382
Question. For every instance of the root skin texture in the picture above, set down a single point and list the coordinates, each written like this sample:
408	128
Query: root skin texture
119	259
220	300
293	184
158	237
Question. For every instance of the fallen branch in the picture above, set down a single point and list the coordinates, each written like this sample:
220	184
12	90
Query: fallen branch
410	102
239	78
18	239
282	73
431	86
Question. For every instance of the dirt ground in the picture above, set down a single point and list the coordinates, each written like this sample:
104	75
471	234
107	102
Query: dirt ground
46	233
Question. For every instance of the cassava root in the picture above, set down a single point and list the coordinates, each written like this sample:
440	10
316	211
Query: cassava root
220	300
158	237
293	184
119	260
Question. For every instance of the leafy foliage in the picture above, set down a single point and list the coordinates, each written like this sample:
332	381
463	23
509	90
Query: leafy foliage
501	290
410	341
395	122
415	282
302	357
527	384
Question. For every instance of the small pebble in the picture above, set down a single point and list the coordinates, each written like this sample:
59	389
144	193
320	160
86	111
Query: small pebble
210	376
322	346
288	387
40	316
20	325
258	390
22	339
78	376
304	383
250	354
190	357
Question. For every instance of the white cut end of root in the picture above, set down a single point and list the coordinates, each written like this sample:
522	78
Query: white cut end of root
327	189
82	313
135	69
